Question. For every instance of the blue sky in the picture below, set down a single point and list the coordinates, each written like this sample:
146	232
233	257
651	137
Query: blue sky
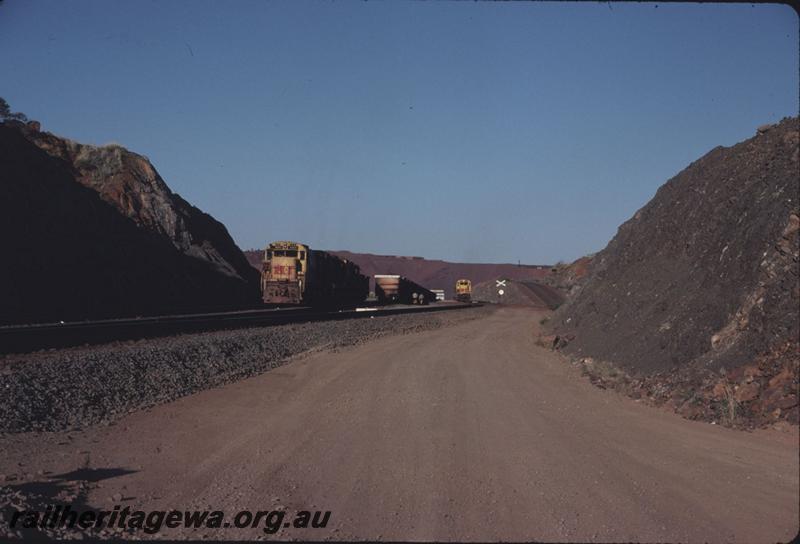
468	131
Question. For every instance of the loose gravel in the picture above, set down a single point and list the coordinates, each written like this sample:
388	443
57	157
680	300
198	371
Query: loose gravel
79	387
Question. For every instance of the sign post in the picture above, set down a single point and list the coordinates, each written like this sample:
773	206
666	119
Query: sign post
500	284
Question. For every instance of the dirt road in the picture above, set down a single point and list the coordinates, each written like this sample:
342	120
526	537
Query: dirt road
469	432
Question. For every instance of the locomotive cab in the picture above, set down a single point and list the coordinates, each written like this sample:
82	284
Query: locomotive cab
292	273
283	278
464	291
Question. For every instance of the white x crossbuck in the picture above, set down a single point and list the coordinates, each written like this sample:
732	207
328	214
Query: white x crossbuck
500	283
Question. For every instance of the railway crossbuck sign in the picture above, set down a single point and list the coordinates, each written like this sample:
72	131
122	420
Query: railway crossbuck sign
500	283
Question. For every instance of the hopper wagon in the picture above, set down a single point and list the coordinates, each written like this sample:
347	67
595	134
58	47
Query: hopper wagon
396	289
293	273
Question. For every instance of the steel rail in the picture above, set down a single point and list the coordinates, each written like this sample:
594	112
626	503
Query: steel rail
27	338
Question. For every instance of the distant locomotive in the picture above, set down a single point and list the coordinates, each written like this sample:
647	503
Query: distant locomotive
292	273
464	291
394	289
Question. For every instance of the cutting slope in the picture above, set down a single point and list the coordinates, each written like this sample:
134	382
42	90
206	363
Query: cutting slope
706	274
95	232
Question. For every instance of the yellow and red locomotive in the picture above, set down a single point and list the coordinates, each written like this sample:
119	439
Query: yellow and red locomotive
464	291
293	273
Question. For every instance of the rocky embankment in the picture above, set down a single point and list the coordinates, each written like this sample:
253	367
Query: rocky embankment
73	388
694	303
95	232
569	278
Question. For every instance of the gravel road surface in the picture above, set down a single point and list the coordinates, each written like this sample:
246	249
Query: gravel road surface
65	389
469	432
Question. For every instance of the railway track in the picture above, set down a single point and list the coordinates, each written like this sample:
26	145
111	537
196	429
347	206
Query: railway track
27	338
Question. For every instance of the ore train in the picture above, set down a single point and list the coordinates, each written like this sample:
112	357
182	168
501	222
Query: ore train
464	291
395	289
292	273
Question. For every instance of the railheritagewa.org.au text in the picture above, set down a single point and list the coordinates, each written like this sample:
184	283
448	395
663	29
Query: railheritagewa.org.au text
151	522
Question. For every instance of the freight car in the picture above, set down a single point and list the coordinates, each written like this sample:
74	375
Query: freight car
464	291
394	289
293	273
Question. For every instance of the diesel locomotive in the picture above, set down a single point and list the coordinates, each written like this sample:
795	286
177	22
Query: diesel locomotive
293	273
463	290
